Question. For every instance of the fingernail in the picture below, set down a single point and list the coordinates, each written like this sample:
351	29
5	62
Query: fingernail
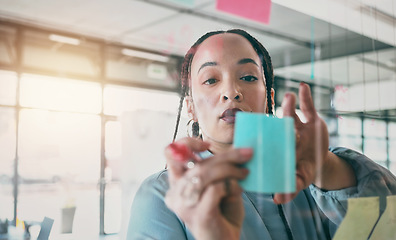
245	171
246	152
180	152
287	95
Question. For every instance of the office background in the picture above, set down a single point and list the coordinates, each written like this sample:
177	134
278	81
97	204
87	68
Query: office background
89	94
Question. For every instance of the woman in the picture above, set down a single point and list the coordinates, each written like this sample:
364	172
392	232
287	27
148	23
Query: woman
225	72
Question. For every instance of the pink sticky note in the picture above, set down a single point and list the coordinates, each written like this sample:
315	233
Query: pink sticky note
257	10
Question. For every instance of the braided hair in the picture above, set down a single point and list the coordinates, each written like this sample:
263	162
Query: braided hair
186	67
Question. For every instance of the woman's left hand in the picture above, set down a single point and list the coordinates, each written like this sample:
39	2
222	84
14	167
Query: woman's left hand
312	142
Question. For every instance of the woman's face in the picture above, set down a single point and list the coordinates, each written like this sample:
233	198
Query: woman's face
226	76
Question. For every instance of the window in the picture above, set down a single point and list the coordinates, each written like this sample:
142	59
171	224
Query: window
60	94
59	153
8	87
374	128
118	100
146	122
375	149
7	156
375	145
127	68
392	130
350	131
349	126
351	142
59	166
113	175
392	146
7	45
392	155
60	127
41	53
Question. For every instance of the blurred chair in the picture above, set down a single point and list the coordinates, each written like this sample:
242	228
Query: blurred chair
46	226
67	219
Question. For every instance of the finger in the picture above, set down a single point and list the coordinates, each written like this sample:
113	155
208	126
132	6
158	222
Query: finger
219	172
236	156
175	162
232	189
306	102
211	197
222	166
289	107
281	198
193	144
232	204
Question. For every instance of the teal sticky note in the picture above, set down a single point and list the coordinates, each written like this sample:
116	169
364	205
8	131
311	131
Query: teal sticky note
273	165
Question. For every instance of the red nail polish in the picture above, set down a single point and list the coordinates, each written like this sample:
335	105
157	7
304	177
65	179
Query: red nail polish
180	152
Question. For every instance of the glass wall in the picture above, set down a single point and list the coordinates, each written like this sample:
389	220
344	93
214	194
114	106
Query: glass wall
392	146
65	113
350	133
7	157
61	131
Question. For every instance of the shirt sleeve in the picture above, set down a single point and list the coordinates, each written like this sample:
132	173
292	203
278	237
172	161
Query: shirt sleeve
150	218
372	180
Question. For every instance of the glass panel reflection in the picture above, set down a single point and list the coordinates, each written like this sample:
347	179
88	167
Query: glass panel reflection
113	196
41	52
375	149
354	143
59	169
349	126
392	130
124	67
60	94
8	86
374	128
392	150
7	156
7	45
118	100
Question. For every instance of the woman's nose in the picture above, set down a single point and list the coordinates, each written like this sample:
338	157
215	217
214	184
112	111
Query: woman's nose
232	94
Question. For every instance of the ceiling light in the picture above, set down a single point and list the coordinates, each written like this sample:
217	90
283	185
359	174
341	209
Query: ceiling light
145	55
63	39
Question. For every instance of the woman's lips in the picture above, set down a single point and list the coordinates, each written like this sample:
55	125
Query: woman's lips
228	115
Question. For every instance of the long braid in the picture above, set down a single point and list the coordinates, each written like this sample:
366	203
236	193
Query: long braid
178	117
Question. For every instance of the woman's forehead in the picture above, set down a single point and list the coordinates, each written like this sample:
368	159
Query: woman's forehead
224	46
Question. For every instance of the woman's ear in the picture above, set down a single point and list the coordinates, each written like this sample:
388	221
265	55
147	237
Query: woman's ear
190	108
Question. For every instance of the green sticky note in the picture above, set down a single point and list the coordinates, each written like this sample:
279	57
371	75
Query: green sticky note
386	226
273	165
360	218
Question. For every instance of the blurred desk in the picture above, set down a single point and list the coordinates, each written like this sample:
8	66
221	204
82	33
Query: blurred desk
14	234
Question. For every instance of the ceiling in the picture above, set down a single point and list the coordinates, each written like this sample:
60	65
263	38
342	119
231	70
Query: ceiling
344	33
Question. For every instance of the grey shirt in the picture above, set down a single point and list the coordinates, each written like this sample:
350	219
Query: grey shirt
313	214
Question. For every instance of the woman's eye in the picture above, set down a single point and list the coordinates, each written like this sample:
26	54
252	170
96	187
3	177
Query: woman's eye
249	78
210	81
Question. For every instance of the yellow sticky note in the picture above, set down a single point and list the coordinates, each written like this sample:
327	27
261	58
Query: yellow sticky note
359	220
386	226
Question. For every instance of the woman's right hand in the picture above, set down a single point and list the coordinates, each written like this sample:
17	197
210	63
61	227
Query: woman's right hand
207	197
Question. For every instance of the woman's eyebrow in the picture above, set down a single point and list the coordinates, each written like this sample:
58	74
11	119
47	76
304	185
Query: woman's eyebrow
247	60
207	64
